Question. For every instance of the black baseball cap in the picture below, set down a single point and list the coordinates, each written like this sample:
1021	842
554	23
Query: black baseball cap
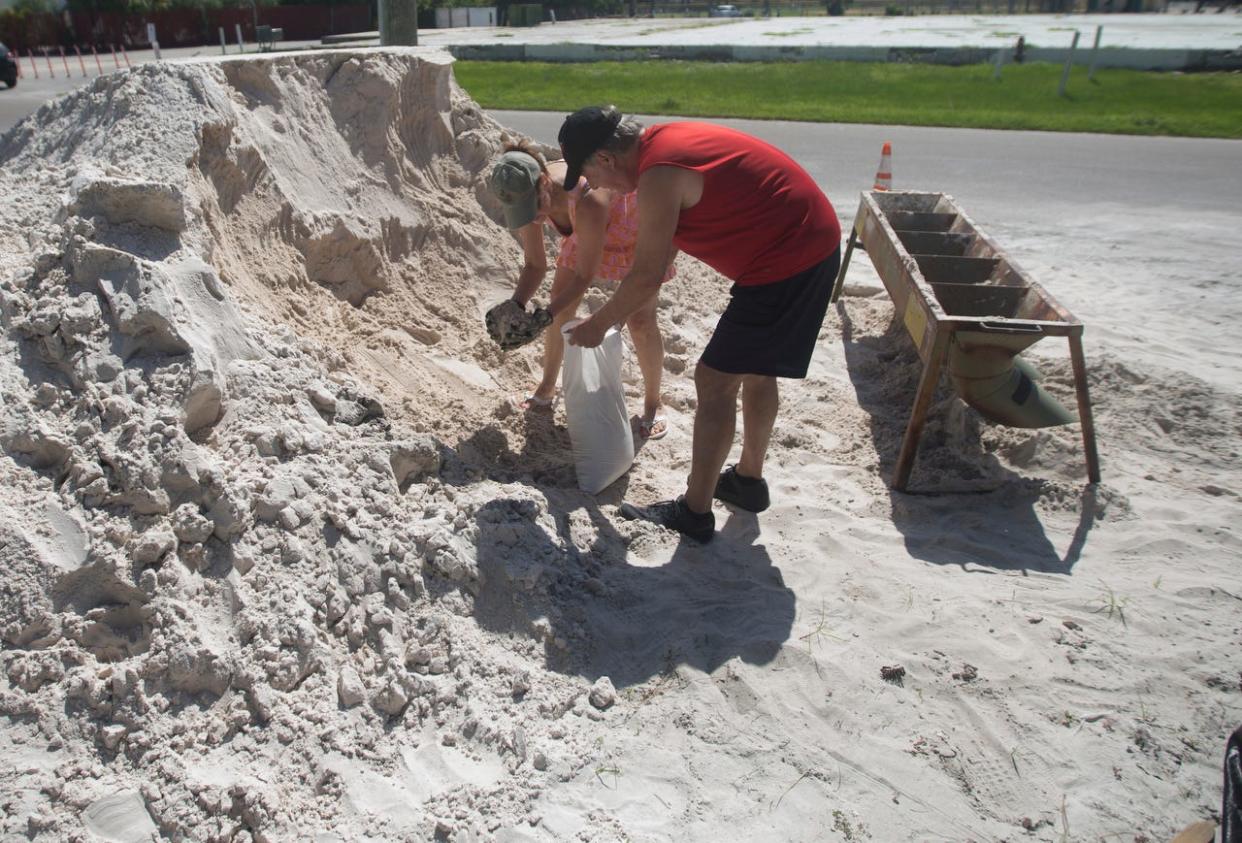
581	136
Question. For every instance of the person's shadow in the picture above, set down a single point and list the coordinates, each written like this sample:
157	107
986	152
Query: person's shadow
605	598
963	506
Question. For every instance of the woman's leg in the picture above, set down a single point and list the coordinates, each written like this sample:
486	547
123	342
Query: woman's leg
553	342
649	349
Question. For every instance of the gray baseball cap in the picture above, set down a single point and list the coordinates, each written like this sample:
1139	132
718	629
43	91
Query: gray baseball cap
515	182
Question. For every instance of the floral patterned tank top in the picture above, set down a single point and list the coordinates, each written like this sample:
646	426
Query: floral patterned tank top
620	237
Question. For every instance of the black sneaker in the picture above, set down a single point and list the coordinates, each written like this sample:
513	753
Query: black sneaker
748	493
674	515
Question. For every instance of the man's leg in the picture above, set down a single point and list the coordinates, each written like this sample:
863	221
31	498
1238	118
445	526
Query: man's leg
649	349
715	420
760	401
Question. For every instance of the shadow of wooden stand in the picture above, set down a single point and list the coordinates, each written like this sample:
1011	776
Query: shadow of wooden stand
967	305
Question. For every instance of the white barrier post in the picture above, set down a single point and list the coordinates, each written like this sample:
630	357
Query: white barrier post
1000	61
223	50
1095	49
1069	61
155	42
241	47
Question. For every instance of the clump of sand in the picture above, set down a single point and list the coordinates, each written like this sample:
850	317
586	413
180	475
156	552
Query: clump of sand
282	563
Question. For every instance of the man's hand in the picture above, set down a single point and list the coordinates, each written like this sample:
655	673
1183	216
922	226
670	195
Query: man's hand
589	333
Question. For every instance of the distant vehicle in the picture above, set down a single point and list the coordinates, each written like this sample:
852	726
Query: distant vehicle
725	11
8	66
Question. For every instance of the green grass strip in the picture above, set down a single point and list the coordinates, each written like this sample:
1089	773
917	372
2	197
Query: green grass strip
1116	101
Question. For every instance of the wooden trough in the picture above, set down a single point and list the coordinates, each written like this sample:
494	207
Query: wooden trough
964	302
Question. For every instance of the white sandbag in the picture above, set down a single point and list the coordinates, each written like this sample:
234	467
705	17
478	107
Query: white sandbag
599	429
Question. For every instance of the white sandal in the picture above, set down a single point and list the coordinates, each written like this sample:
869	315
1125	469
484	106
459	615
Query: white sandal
533	403
647	429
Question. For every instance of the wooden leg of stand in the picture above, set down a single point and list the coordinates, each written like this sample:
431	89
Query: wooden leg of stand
918	415
839	285
1084	409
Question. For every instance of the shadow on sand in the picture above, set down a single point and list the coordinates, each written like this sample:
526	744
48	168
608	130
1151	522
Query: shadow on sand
611	601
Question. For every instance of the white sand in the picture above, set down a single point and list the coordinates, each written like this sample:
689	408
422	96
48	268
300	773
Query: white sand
280	563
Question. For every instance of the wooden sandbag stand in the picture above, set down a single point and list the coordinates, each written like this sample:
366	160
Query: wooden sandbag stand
952	284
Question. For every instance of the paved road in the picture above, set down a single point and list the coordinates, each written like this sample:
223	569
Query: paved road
996	172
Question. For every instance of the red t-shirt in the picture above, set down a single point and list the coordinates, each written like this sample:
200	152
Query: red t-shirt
762	218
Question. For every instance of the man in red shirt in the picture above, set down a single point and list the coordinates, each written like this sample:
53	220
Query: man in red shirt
749	211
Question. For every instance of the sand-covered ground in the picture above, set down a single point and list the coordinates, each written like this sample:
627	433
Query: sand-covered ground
281	562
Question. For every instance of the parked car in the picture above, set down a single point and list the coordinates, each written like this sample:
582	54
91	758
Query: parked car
724	11
8	66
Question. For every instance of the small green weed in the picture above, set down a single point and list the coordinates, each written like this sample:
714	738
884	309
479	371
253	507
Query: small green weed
1111	604
608	770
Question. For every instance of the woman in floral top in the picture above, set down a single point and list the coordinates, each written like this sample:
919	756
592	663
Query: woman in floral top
598	231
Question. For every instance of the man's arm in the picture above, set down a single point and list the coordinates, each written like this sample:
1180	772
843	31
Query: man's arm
661	193
535	266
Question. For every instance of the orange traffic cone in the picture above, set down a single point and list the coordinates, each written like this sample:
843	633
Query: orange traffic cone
884	175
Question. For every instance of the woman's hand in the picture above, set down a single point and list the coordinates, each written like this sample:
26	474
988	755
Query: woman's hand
511	326
499	318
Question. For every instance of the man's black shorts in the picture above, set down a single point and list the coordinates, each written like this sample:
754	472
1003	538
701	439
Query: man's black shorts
771	329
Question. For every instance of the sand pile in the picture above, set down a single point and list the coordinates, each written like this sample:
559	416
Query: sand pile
229	548
280	562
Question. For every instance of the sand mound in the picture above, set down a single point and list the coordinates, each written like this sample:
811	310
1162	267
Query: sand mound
227	548
280	562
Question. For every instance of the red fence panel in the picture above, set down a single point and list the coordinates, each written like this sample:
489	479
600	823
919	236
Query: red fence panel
179	27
